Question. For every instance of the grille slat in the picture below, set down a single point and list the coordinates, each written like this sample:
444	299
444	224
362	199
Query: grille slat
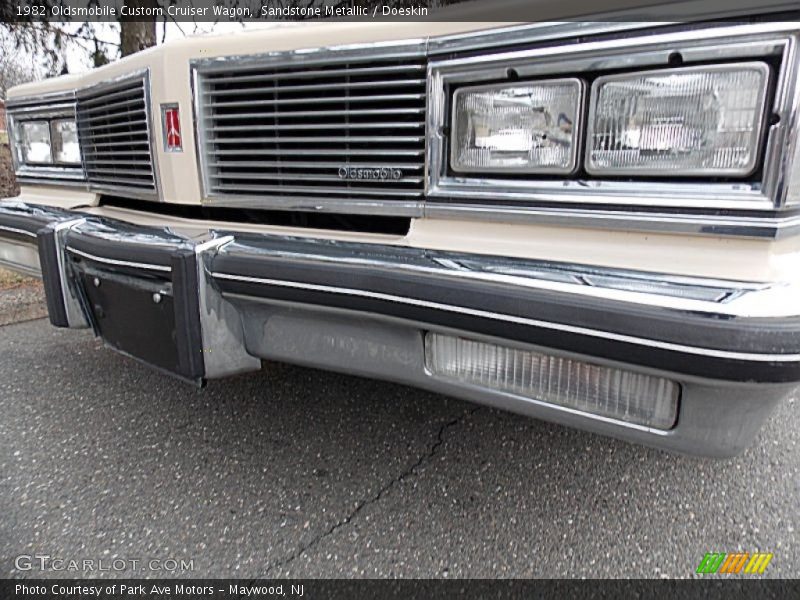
89	120
136	172
332	72
306	176
360	85
315	126
113	161
100	136
322	152
110	125
323	113
133	182
286	189
104	99
326	133
118	144
115	137
307	165
322	140
105	108
387	98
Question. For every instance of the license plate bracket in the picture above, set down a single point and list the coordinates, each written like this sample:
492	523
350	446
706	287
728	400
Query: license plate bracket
136	317
151	314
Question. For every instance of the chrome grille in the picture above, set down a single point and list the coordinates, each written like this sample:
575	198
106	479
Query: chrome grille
113	125
339	137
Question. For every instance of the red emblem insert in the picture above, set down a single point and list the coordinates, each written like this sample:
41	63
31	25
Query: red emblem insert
172	125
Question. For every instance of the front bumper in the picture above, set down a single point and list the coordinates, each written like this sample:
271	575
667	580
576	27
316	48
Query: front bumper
215	305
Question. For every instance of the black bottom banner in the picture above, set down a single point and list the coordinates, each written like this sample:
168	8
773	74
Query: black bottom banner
226	589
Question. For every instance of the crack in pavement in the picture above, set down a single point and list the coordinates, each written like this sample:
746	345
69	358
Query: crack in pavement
380	493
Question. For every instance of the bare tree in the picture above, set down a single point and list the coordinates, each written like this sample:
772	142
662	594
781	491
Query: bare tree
48	42
48	39
137	34
16	66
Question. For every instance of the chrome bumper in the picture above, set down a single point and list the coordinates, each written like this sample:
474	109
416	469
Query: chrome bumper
228	300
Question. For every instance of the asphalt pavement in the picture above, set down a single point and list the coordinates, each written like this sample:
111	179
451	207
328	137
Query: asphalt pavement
302	473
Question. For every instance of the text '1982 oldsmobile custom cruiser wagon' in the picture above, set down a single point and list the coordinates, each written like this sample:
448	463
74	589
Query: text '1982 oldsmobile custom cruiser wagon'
592	223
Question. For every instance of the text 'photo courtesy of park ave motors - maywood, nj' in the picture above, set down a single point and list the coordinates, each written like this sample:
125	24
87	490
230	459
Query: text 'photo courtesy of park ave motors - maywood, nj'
178	589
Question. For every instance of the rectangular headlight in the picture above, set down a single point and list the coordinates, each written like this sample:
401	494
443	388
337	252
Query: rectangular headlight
66	149
636	398
34	142
686	121
517	128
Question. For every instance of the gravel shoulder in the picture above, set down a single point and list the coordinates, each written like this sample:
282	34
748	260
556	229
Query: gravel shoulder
21	298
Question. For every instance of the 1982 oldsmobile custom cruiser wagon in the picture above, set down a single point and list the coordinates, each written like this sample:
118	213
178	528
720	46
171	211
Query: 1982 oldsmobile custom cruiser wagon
596	224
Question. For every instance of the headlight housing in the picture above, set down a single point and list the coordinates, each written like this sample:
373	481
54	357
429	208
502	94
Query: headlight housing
678	122
34	146
523	128
64	136
49	142
686	124
44	141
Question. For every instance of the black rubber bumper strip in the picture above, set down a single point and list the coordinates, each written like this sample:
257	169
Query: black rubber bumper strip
188	335
51	276
336	275
119	241
22	222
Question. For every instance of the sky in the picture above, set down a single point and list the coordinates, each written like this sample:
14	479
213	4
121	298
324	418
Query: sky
78	56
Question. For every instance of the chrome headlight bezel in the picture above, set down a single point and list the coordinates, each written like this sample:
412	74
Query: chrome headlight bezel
511	197
21	112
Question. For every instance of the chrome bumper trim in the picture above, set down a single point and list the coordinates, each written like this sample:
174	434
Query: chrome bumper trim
119	263
17	231
221	325
746	356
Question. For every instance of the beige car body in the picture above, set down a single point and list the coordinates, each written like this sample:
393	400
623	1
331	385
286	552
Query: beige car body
723	257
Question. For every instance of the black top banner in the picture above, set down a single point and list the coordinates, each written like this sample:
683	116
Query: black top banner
248	11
